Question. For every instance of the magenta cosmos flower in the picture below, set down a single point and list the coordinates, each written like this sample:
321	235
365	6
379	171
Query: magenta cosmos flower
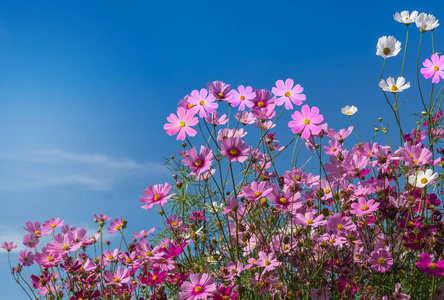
202	102
198	163
234	149
268	261
306	121
243	98
201	286
156	194
433	68
364	207
181	123
381	260
288	94
435	269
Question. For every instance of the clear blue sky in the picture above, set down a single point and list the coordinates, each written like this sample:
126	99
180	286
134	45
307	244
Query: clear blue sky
85	88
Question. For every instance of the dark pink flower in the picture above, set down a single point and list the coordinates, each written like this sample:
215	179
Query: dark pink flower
201	286
198	163
219	89
435	269
234	149
381	260
156	194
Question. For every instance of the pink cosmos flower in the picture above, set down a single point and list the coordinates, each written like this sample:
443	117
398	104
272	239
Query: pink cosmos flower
435	269
156	194
181	124
234	149
268	261
309	219
36	229
364	207
8	246
307	121
219	89
52	224
245	118
433	68
121	276
214	119
202	104
243	98
143	233
198	163
116	226
381	260
288	94
254	191
201	286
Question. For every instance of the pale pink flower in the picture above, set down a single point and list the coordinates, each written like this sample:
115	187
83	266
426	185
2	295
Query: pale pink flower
288	94
364	207
243	98
181	123
201	286
198	163
156	194
202	102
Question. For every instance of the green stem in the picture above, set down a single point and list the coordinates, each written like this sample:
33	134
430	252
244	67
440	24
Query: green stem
405	50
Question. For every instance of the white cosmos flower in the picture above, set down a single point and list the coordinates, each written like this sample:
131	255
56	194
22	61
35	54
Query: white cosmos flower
388	46
215	208
405	17
393	87
422	179
349	110
426	22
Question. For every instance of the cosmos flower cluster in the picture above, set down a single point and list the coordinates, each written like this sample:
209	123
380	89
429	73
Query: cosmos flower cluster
364	221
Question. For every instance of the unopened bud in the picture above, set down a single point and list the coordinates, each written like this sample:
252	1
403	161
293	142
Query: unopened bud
376	129
379	119
172	157
423	113
184	145
161	212
174	176
179	184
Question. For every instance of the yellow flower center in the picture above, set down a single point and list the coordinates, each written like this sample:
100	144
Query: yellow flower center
233	152
116	280
332	240
424	181
25	258
358	256
174	223
198	163
306	121
436	68
157	197
198	289
163	260
386	51
190	106
364	207
53	225
267	262
37	232
283	200
182	124
220	95
49	258
257	194
433	266
261	104
155	277
287	94
117	227
225	297
128	260
327	191
148	253
415	242
202	103
349	112
309	221
394	88
340	226
242	97
381	261
244	120
65	247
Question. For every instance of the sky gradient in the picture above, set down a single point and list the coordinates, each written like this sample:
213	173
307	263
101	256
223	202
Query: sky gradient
86	86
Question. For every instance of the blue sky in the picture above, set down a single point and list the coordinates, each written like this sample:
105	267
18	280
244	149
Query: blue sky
86	86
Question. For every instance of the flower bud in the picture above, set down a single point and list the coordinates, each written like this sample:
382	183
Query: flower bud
376	129
423	113
179	184
172	157
379	119
174	176
161	212
184	145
